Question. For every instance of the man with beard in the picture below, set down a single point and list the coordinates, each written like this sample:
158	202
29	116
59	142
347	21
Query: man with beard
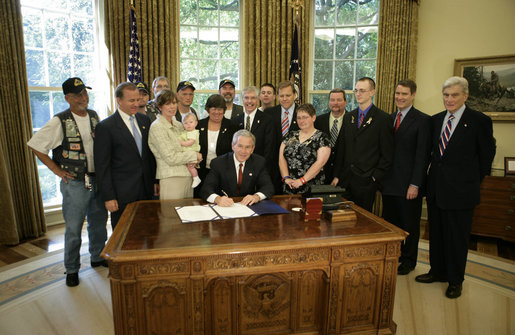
227	90
144	107
331	124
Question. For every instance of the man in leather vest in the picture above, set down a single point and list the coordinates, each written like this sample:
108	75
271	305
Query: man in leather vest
70	135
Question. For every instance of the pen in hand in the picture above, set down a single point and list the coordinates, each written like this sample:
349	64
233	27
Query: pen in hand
225	202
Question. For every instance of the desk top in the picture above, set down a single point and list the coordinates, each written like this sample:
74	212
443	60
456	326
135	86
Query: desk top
154	228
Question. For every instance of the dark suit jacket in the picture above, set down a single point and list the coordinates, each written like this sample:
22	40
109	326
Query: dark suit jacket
223	177
454	178
223	144
121	171
411	155
368	151
261	127
276	132
236	110
322	124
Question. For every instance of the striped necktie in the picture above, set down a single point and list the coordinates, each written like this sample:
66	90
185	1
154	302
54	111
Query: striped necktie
247	125
136	134
334	132
446	135
285	123
361	117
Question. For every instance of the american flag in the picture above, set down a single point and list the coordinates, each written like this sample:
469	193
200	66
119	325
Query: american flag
134	66
295	69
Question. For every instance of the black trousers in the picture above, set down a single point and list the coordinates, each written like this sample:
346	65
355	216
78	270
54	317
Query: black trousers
362	190
405	214
449	233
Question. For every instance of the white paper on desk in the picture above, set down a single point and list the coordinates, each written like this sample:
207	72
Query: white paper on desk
235	211
196	213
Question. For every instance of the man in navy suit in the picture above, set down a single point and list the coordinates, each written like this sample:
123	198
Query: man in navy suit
463	150
331	124
238	174
366	152
284	120
124	163
258	123
403	185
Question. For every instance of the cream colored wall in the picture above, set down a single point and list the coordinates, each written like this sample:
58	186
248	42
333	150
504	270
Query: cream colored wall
450	29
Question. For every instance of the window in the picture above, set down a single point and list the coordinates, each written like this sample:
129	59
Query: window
210	48
345	47
59	43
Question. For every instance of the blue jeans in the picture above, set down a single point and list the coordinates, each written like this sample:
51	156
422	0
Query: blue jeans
78	203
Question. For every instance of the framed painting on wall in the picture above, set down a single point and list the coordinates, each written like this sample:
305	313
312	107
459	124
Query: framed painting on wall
491	85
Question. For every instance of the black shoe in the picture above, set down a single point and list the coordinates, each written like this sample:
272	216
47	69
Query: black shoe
404	269
72	279
428	278
99	263
453	291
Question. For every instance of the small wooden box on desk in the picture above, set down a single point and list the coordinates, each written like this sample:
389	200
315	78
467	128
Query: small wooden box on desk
495	214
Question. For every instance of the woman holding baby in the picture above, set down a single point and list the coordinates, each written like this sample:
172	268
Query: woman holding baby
174	158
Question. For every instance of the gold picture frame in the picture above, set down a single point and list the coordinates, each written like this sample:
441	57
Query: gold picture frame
491	85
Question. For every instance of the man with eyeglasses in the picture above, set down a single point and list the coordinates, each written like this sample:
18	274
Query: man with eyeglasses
158	84
70	136
366	152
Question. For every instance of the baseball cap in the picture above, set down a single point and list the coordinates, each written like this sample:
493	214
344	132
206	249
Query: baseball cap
226	81
142	86
74	85
185	84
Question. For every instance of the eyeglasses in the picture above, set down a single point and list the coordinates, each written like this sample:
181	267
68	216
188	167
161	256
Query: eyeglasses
361	91
302	118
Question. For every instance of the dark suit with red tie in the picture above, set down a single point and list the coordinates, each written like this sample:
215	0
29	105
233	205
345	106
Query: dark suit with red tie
223	178
453	190
260	128
409	167
122	173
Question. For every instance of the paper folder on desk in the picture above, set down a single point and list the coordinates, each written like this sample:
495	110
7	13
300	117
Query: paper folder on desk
268	207
189	214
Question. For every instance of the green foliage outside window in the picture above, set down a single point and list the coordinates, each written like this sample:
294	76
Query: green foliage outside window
345	47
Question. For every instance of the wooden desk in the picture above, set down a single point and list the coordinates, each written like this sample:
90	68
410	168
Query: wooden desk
272	274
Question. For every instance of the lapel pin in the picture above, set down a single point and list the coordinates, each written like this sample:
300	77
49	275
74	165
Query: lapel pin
466	125
250	174
202	129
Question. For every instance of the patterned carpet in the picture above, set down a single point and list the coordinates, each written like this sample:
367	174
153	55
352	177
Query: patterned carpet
23	278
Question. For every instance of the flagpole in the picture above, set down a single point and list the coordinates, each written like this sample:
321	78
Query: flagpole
295	64
134	71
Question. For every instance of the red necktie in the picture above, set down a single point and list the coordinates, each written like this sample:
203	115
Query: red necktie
240	177
398	121
361	117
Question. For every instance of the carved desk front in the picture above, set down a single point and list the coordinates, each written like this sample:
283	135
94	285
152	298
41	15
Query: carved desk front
273	274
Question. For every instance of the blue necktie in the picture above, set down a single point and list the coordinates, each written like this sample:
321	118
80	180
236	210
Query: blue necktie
136	134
